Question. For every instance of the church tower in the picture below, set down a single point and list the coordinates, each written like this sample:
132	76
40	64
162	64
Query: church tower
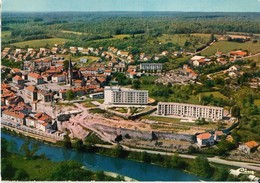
70	73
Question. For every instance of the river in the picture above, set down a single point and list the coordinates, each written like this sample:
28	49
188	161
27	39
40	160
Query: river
136	170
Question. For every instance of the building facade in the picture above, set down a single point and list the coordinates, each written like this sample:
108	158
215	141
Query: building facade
125	96
190	110
151	66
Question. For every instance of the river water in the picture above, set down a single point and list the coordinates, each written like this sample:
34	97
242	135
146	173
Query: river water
136	170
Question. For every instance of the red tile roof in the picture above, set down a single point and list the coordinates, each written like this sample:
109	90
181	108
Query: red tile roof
204	136
251	144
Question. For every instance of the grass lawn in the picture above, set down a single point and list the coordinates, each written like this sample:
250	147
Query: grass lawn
40	42
164	119
227	46
38	169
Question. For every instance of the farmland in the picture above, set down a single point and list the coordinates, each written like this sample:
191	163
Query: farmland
40	42
226	46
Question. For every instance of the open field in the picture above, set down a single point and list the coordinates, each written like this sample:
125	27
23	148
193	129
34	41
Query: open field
227	46
72	32
180	39
40	42
215	94
91	59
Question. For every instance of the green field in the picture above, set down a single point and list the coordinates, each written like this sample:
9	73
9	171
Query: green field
40	42
257	102
227	46
180	39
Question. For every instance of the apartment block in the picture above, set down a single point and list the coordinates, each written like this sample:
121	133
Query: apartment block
124	96
190	110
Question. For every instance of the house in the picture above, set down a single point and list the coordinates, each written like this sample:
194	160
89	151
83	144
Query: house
248	147
73	50
18	80
43	117
30	121
107	72
58	78
130	73
233	74
83	60
16	71
164	53
237	54
185	66
45	96
36	78
197	58
218	135
176	53
31	92
199	62
42	63
205	139
142	55
234	68
55	50
84	51
218	54
13	116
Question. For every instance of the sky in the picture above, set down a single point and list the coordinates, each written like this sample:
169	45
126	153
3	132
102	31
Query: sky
132	5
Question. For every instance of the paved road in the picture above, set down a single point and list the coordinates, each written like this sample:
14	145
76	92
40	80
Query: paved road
252	166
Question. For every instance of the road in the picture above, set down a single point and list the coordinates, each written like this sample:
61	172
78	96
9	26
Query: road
252	166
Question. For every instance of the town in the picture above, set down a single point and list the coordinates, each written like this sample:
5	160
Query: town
175	101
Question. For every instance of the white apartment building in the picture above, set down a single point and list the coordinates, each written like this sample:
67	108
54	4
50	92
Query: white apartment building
125	96
151	66
190	110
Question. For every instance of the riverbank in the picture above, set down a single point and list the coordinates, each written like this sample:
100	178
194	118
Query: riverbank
168	161
94	162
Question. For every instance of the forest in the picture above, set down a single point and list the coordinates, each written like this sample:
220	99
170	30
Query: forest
100	25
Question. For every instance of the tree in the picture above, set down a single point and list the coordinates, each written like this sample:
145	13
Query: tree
145	157
66	65
136	84
67	142
7	169
177	162
70	95
235	111
79	144
253	65
21	174
222	174
201	167
29	152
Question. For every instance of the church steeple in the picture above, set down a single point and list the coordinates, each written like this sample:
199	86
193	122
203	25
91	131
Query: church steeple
70	73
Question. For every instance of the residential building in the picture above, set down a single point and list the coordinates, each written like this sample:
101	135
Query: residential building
13	116
190	110
151	66
205	139
248	147
31	92
124	96
45	96
58	78
18	80
36	78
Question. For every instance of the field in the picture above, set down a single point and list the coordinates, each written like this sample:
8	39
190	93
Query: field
91	59
40	42
72	32
180	39
227	46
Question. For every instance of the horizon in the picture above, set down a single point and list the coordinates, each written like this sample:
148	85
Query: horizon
214	6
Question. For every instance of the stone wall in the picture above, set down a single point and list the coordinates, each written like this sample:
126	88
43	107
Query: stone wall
152	135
